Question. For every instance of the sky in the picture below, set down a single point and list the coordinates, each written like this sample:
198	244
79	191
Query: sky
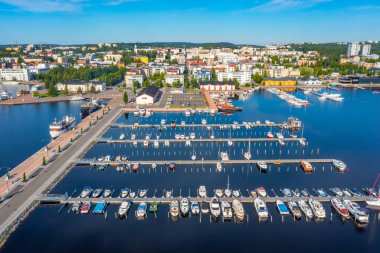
257	22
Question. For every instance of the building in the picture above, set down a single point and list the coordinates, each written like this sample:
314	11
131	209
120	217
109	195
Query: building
134	76
141	58
15	75
217	86
243	77
309	81
366	51
172	78
73	86
148	95
202	75
271	81
353	49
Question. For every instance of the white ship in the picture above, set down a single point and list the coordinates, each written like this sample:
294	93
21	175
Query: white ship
58	128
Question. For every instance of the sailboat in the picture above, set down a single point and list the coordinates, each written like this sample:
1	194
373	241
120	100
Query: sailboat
302	140
247	155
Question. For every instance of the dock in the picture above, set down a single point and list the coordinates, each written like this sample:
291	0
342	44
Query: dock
136	125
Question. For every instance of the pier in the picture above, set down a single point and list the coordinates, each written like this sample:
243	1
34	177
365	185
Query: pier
136	125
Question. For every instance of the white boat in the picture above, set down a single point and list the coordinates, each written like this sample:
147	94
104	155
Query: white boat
59	127
340	208
205	207
163	121
107	193
174	208
261	192
294	209
238	209
96	193
195	209
154	166
226	210
236	193
337	192
360	214
279	135
192	136
317	208
215	207
77	98
218	167
305	208
262	165
182	136
141	210
86	192
177	136
166	144
339	165
122	136
187	113
219	193
124	208
204	121
156	144
302	142
230	143
281	207
193	157
124	193
270	135
142	193
132	194
133	136
202	191
227	192
185	206
76	207
224	156
261	208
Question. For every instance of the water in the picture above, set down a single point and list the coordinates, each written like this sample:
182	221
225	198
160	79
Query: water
24	129
347	131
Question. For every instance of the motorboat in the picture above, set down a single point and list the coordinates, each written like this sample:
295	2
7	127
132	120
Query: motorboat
146	143
261	208
317	208
294	209
227	193
287	192
337	192
156	144
306	166
85	208
132	194
124	193
339	165
347	193
261	191
322	192
124	208
172	165
141	210
185	206
281	207
204	121
195	208
305	208
226	210
302	142
107	193
280	135
282	143
166	144
202	191
182	136
96	193
122	136
86	192
340	208
230	143
360	214
76	206
238	209
218	167
270	135
262	165
177	136
205	207
219	193
142	193
355	192
154	166
305	193
296	193
236	193
168	194
215	207
224	156
163	121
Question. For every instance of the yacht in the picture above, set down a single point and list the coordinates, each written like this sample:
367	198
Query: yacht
337	192
192	136
124	208
340	208
156	144
96	193
215	207
230	143
281	207
154	166
204	121
57	128
305	208
163	121
339	165
141	210
85	208
280	135
322	192
77	98
86	192
287	192
107	193
205	207
166	144
296	193
202	191
195	209
238	209
226	210
168	194
317	209
261	192
218	167
262	165
185	206
295	209
360	214
236	193
224	156
302	142
132	194
261	208
282	143
219	193
227	193
270	135
346	193
124	193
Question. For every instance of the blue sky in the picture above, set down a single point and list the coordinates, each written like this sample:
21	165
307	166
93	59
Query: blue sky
237	21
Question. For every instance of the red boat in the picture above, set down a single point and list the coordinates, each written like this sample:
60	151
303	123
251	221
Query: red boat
340	208
172	165
270	135
85	208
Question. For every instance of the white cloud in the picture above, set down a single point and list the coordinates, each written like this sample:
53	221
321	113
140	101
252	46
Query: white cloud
278	5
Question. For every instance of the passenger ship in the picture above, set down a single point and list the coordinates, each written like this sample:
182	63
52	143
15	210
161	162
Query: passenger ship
58	128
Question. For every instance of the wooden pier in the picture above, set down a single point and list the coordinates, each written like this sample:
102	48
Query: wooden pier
136	125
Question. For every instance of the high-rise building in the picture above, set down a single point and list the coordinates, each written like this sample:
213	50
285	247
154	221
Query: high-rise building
353	49
366	50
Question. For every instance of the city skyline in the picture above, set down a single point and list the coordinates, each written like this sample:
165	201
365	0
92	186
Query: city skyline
240	22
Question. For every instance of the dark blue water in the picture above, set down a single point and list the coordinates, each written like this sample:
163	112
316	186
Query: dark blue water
24	129
347	131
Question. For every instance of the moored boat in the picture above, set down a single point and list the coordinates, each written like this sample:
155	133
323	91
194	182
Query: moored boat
360	214
141	210
226	210
185	206
340	208
195	208
261	208
85	208
305	208
215	207
281	207
238	209
306	166
294	209
317	208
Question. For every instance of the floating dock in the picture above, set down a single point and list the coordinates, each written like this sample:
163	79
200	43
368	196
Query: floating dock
136	125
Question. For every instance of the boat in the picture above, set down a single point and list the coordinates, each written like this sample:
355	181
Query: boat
261	208
192	136
305	208
124	208
247	155
238	209
124	193
282	143
76	207
270	135
360	214
294	210
154	166
135	167
90	107
173	124
172	165
107	193
156	144
236	193
146	143
177	136
280	135
317	208
163	121
185	206
306	166
224	156
204	121
287	192
230	143
142	193
166	144
100	207
218	167
96	193
340	208
202	191
305	193
374	201
294	124
339	165
219	193
355	192
261	192
132	194
369	192
168	194
205	207
85	208
77	98
183	123
59	127
322	192
153	208
187	113
302	142
262	165
227	192
195	208
122	136
226	210
215	207
281	207
296	193
119	167
346	193
337	192
141	210
86	192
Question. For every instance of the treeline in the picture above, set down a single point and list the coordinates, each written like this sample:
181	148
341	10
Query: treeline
111	75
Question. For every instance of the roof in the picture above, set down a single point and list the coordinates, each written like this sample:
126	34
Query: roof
150	91
279	79
217	83
82	83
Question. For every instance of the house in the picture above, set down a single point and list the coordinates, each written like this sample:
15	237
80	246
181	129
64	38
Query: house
134	76
217	86
147	96
73	86
272	81
309	81
172	78
243	77
202	75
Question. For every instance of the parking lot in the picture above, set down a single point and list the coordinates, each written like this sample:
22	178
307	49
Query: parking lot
185	100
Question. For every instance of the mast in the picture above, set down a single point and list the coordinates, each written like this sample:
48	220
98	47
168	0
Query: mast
374	185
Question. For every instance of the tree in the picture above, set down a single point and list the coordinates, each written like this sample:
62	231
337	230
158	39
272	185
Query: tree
125	97
236	83
52	91
92	89
79	90
213	75
66	90
306	71
257	78
134	89
36	94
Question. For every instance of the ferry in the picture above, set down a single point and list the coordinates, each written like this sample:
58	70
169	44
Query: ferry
185	206
124	193
261	192
305	208
86	192
360	214
100	207
306	166
339	165
174	208
85	208
141	210
124	208
281	207
317	208
226	210
340	208
295	210
90	107
202	191
76	207
261	208
262	165
58	128
195	209
238	209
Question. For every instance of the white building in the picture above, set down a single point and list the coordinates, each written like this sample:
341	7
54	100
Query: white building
309	81
217	86
170	79
353	49
147	96
243	77
85	86
15	75
366	51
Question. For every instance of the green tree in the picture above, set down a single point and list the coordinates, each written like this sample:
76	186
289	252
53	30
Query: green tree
66	90
79	90
236	83
36	94
125	97
93	89
213	75
257	78
52	91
